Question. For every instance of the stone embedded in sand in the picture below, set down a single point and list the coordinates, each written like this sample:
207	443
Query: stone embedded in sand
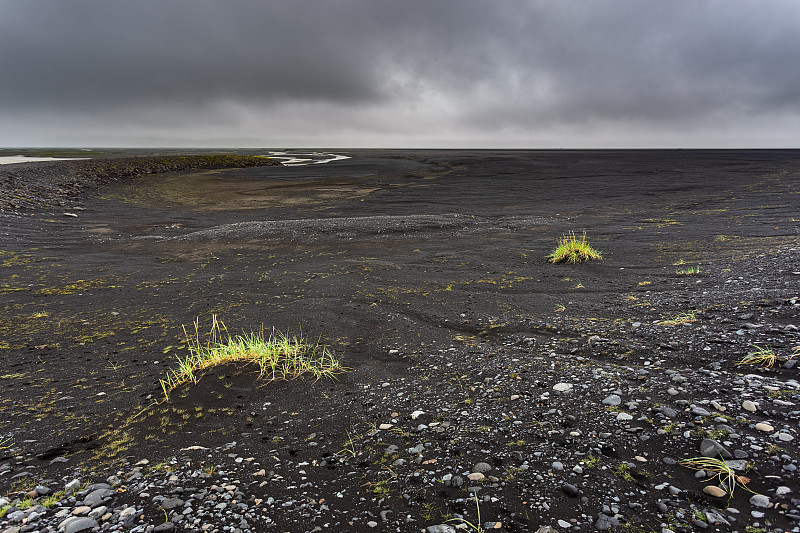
481	467
785	437
763	426
759	500
385	426
441	528
570	490
562	387
417	414
716	492
475	476
622	417
747	405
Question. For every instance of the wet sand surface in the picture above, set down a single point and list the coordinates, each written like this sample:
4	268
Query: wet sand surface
426	272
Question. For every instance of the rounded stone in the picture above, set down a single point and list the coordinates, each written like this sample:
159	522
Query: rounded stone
759	500
562	387
716	492
570	490
747	405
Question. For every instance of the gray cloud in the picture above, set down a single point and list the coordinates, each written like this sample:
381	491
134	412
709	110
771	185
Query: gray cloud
412	73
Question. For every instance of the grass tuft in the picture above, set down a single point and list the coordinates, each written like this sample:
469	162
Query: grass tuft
764	357
572	249
278	356
722	471
679	319
690	271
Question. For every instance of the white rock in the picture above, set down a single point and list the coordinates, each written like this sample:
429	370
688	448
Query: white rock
747	405
475	476
385	426
763	426
562	387
624	416
417	414
785	437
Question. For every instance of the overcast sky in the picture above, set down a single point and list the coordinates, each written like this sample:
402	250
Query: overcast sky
400	73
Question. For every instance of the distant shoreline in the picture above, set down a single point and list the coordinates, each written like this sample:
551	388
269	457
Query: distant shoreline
54	182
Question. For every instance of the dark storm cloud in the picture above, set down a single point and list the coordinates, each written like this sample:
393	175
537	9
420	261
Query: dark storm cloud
408	72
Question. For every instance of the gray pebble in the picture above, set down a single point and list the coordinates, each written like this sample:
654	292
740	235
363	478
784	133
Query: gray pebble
612	399
75	525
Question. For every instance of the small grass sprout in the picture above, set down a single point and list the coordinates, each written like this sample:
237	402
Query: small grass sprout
571	249
477	528
721	471
278	356
764	357
623	471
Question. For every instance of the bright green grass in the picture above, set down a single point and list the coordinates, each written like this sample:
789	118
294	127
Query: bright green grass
278	356
572	249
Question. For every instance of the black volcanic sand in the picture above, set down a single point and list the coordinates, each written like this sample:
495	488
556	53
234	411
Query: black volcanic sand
426	272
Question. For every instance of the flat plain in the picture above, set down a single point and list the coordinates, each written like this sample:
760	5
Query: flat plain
481	377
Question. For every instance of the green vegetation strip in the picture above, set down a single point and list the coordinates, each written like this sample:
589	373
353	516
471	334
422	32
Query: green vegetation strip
278	356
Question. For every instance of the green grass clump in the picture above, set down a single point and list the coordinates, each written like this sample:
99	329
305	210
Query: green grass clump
278	356
722	471
572	249
764	357
690	271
